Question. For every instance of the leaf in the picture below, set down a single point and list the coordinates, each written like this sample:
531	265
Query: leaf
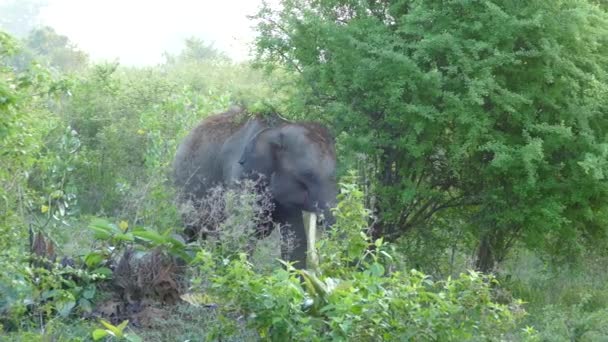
44	209
85	305
56	194
123	325
104	225
100	233
65	307
151	236
180	252
49	294
379	242
93	259
376	270
103	271
98	334
315	286
124	225
124	237
102	228
197	298
112	328
388	256
61	209
133	338
89	292
175	242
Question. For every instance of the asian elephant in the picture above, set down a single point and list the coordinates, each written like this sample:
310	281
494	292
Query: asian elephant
297	160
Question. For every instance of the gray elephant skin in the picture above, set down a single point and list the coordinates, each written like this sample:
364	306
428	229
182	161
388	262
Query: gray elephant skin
298	161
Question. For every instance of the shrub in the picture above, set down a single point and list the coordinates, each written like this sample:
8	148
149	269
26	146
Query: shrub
361	300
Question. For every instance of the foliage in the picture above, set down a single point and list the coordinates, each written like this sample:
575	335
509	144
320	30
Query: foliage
117	238
365	303
470	123
565	303
56	50
22	130
59	329
492	107
116	331
196	321
98	142
557	323
198	51
348	239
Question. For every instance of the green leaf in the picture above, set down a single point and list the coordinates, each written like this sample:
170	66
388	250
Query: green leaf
104	225
149	235
175	242
112	328
123	325
180	252
93	259
101	233
65	307
124	237
98	334
376	270
49	294
85	305
131	337
89	292
388	256
103	271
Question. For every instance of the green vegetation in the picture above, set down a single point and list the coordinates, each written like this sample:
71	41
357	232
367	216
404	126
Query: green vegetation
472	150
493	109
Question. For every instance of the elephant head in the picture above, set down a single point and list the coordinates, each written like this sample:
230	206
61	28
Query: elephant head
298	161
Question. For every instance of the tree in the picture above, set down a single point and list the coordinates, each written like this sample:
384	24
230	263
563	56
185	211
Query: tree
495	107
56	50
197	51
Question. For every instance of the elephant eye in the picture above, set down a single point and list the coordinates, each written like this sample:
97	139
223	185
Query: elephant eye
308	175
303	185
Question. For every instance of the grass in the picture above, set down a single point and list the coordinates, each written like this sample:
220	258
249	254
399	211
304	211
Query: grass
568	303
195	323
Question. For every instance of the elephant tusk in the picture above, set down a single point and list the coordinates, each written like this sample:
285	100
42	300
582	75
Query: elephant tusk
310	227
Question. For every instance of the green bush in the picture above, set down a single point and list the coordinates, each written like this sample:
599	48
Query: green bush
361	300
25	121
564	303
495	108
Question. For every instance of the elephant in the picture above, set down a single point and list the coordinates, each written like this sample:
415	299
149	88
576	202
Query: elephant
297	160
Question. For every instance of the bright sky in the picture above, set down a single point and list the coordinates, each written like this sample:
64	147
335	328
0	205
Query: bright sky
137	32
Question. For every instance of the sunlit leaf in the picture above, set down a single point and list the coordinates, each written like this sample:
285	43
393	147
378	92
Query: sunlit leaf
98	334
151	236
112	328
93	259
64	307
124	225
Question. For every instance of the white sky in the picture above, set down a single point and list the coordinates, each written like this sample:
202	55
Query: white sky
137	32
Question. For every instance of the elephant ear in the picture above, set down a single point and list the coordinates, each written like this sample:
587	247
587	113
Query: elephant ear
273	145
276	141
264	150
